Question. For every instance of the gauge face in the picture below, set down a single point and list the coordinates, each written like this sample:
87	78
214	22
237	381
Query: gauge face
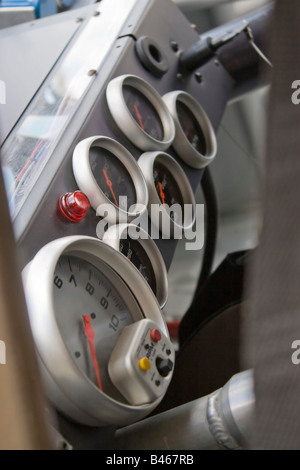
143	112
166	186
107	173
112	177
191	128
91	314
195	140
171	199
140	113
135	253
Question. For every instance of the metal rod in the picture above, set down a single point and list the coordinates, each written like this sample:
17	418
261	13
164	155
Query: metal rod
230	44
23	423
222	420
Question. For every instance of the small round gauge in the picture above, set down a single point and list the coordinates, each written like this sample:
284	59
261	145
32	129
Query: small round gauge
82	295
166	185
136	254
169	193
107	173
191	128
143	112
113	177
139	248
140	113
195	140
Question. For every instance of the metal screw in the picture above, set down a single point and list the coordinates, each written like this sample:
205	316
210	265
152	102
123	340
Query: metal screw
78	20
174	46
97	13
217	63
199	77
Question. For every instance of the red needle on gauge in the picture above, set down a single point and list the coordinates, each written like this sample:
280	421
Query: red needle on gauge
110	185
138	115
90	335
162	194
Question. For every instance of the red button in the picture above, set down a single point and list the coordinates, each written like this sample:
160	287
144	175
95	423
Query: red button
74	206
155	335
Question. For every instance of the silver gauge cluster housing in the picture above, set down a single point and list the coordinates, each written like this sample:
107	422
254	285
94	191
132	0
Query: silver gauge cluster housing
185	150
68	387
113	237
87	183
126	123
147	164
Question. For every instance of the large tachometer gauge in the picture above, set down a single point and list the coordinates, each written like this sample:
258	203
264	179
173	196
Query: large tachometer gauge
102	341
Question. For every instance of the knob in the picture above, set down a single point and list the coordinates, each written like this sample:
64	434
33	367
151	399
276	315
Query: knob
164	366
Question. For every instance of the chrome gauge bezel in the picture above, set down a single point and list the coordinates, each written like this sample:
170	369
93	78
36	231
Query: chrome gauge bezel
68	387
116	233
124	120
146	163
87	183
181	144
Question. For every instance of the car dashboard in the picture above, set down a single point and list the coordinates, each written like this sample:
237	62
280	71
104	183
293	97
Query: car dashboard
107	136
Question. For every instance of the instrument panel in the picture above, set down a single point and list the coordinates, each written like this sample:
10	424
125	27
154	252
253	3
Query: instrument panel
84	166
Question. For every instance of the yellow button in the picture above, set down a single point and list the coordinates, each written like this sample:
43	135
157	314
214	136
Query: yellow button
145	364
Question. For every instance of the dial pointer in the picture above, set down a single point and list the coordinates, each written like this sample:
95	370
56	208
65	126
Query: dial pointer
109	184
90	335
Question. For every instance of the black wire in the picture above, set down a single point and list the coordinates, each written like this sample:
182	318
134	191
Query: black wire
211	229
211	233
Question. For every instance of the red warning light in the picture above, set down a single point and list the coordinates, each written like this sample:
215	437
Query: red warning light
74	206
